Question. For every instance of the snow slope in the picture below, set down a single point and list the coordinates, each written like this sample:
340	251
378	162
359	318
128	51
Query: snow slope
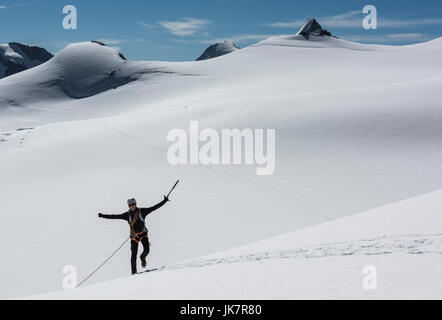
401	240
357	127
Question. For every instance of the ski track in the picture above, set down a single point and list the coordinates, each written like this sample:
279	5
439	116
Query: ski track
217	171
20	134
404	244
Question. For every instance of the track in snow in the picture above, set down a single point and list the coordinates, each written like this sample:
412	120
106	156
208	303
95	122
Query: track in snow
404	244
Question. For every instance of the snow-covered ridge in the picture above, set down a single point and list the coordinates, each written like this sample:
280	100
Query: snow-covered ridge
218	49
313	42
86	69
80	70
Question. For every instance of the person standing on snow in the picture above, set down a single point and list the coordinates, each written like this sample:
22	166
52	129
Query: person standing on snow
138	231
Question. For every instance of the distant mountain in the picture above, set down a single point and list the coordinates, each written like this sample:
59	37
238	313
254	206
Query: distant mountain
16	57
312	27
218	49
80	70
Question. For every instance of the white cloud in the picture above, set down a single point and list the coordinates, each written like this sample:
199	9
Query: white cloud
345	20
185	27
389	23
389	38
19	4
147	25
183	41
353	19
237	38
112	41
163	46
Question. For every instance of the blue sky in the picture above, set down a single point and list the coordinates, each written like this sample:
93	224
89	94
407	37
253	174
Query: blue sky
181	30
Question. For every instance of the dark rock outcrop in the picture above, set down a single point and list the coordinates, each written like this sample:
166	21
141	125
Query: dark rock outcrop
16	57
312	27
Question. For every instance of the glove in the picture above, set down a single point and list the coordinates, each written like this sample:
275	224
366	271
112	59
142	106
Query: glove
100	215
166	198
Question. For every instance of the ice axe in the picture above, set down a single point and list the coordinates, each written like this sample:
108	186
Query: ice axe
172	188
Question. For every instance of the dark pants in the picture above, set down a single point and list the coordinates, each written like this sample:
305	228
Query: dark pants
134	249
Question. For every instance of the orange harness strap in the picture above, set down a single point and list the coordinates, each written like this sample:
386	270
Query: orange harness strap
134	236
137	236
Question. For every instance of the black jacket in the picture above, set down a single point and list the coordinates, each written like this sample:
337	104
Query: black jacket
139	224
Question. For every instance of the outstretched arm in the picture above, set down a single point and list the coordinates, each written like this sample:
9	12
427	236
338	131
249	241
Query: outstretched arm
113	216
146	211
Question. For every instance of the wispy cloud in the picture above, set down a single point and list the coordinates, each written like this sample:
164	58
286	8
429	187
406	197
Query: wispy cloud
19	4
186	27
163	46
389	38
182	28
345	20
237	38
405	23
111	41
147	25
182	41
353	19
